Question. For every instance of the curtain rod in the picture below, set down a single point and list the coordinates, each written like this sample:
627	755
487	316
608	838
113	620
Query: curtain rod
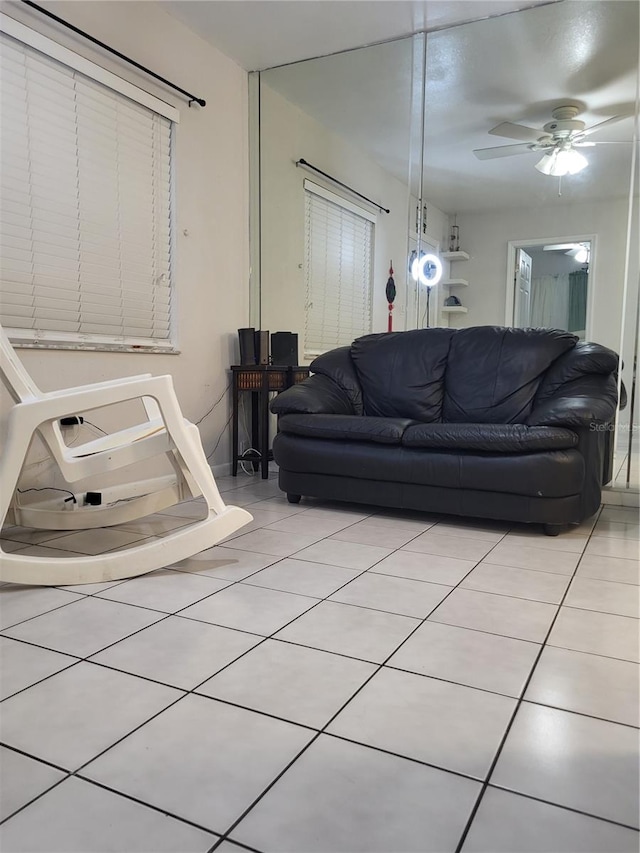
336	181
192	98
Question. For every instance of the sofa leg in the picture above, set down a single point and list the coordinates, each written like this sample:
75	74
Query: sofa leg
553	529
293	499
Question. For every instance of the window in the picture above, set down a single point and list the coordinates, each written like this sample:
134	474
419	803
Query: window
86	214
338	270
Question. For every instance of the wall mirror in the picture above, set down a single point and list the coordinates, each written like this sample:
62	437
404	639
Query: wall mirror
325	251
400	123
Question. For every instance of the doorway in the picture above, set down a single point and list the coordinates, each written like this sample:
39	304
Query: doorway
550	284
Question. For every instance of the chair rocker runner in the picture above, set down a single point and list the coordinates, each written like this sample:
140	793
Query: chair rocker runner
164	433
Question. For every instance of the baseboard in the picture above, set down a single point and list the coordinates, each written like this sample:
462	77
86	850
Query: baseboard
223	470
620	497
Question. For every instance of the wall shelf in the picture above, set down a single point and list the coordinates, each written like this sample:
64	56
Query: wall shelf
452	257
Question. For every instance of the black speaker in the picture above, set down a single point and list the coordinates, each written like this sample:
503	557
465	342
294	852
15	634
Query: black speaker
284	348
247	346
262	347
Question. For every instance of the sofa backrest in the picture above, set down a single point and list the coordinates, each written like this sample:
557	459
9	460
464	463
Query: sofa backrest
483	374
402	373
493	373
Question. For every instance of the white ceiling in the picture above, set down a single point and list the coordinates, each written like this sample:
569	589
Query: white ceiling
514	68
518	69
260	34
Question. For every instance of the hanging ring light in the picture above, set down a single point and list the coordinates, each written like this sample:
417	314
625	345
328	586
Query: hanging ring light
427	269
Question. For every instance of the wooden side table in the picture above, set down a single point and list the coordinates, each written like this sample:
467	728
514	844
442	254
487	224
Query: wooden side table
261	380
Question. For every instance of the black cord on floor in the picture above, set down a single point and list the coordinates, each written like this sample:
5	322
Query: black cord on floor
50	489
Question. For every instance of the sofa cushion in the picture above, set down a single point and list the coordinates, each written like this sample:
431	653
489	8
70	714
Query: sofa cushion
551	473
493	373
495	438
402	373
548	474
346	428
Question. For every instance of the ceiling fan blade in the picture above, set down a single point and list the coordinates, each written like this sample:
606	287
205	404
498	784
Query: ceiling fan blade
558	247
607	121
516	131
501	151
602	142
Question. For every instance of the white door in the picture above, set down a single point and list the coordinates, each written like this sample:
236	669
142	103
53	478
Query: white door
522	307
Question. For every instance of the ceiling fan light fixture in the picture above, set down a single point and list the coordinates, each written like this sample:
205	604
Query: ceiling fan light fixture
563	161
546	164
571	161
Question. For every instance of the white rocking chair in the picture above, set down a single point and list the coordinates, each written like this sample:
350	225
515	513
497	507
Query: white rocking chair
165	432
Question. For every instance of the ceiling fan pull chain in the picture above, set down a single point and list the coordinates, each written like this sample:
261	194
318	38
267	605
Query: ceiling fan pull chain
559	186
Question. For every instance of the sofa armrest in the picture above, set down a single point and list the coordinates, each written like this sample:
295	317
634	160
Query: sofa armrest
317	395
586	402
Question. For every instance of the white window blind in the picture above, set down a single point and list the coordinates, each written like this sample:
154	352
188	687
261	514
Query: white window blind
85	219
338	270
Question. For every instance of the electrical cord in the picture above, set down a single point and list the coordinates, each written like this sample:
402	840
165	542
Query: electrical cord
426	316
224	429
244	417
88	423
206	414
251	472
76	438
255	458
50	489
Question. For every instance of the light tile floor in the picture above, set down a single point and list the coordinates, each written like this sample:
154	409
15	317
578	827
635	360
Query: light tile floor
332	679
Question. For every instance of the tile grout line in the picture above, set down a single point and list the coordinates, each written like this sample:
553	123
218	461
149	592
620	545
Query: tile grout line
519	702
185	693
178	613
271	636
87	658
165	616
163	810
342	707
322	731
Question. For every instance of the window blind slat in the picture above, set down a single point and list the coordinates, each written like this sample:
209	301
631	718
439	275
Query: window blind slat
338	271
85	224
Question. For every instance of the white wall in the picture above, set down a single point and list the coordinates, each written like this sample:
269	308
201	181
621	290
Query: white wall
211	178
485	237
288	134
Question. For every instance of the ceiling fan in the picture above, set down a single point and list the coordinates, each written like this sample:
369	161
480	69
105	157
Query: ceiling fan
558	139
